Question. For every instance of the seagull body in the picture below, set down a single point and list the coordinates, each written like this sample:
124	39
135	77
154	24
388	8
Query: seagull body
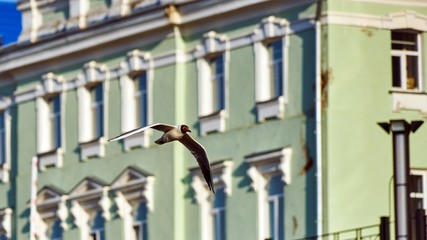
178	133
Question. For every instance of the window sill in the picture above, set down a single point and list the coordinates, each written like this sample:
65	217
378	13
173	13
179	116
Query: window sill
50	159
214	122
94	148
408	100
273	108
140	140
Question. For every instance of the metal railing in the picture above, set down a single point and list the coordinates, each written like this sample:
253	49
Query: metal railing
371	232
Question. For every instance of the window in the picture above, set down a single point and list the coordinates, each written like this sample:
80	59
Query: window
218	214
97	110
406	64
275	65
216	66
276	208
418	190
270	47
213	207
92	99
140	226
4	145
47	217
134	200
49	131
212	63
269	172
141	100
90	208
2	138
135	87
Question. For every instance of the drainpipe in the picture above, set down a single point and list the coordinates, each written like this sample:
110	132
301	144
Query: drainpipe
400	130
318	99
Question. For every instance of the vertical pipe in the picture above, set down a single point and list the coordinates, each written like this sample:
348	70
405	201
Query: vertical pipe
401	164
318	100
401	175
33	206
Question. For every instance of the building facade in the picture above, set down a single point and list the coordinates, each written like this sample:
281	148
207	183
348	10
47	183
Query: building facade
284	95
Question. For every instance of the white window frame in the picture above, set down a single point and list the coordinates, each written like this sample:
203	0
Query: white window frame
137	62
87	198
262	167
270	29
92	146
221	176
423	195
49	210
215	214
6	162
132	187
402	56
213	44
52	85
6	222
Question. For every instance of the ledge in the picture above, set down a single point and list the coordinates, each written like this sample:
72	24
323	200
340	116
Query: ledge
214	122
51	158
274	108
94	148
408	100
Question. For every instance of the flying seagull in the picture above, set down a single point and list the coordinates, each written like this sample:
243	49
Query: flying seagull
179	132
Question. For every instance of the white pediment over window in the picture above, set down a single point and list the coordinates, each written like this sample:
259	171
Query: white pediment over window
211	43
49	195
137	60
88	186
52	83
94	72
405	20
135	185
271	27
264	165
221	177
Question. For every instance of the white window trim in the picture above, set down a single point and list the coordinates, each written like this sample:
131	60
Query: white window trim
52	84
85	202
221	176
270	28
93	73
136	62
401	54
45	209
423	195
128	202
6	221
262	167
6	166
212	43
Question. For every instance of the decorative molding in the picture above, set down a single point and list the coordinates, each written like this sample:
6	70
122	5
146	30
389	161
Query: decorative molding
6	222
267	164
406	100
399	20
221	176
274	108
48	202
94	148
271	27
136	186
213	123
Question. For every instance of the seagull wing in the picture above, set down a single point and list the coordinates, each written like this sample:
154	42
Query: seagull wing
158	126
201	156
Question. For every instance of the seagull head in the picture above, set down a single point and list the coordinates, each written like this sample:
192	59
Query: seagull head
184	129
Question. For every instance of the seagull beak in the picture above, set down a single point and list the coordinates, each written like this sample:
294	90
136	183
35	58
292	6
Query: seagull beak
189	130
